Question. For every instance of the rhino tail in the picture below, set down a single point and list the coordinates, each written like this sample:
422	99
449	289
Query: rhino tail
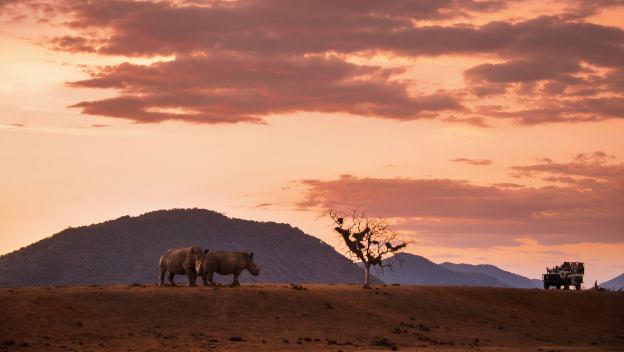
161	261
163	269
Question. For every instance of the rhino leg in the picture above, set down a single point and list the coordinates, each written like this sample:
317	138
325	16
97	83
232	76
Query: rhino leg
204	279
235	281
171	275
210	278
192	277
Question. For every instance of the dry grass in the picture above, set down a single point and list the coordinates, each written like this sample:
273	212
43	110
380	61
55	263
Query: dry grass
323	317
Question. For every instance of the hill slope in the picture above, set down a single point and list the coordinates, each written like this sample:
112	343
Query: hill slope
126	250
506	277
614	284
321	318
416	270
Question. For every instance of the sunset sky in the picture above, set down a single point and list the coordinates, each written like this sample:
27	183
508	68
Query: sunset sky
486	131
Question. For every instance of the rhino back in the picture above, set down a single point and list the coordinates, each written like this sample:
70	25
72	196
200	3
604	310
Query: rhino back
176	259
226	263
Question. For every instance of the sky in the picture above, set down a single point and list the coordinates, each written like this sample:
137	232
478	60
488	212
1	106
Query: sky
485	131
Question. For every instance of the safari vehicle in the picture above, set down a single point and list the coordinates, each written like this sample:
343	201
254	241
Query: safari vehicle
566	275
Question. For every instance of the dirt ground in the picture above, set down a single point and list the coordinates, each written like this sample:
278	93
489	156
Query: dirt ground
312	317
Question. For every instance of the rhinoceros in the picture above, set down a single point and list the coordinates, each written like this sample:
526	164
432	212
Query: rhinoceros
183	261
229	263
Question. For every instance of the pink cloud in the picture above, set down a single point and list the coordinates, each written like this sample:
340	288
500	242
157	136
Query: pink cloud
582	8
564	110
459	213
277	27
547	62
237	88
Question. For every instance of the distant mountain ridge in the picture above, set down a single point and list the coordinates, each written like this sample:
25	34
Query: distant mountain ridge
506	277
412	269
126	250
614	284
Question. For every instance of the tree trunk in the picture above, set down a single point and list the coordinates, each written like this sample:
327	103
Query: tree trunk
366	274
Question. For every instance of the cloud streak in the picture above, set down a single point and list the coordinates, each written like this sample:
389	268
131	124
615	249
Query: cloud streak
476	162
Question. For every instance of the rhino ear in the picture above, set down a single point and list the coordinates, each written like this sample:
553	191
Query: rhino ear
251	254
205	251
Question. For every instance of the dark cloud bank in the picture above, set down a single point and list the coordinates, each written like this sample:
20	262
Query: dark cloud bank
241	61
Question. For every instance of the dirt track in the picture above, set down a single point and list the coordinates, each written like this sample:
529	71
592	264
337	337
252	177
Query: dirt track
323	317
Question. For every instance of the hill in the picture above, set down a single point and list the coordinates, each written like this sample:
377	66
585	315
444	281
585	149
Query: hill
614	284
317	318
506	277
416	270
126	250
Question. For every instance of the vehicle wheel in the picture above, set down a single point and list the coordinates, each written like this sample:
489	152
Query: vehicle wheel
578	287
558	287
566	287
546	286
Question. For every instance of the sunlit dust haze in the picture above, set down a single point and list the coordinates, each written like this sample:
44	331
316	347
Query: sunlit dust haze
485	131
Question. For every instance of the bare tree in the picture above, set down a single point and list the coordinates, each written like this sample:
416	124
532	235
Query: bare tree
368	239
